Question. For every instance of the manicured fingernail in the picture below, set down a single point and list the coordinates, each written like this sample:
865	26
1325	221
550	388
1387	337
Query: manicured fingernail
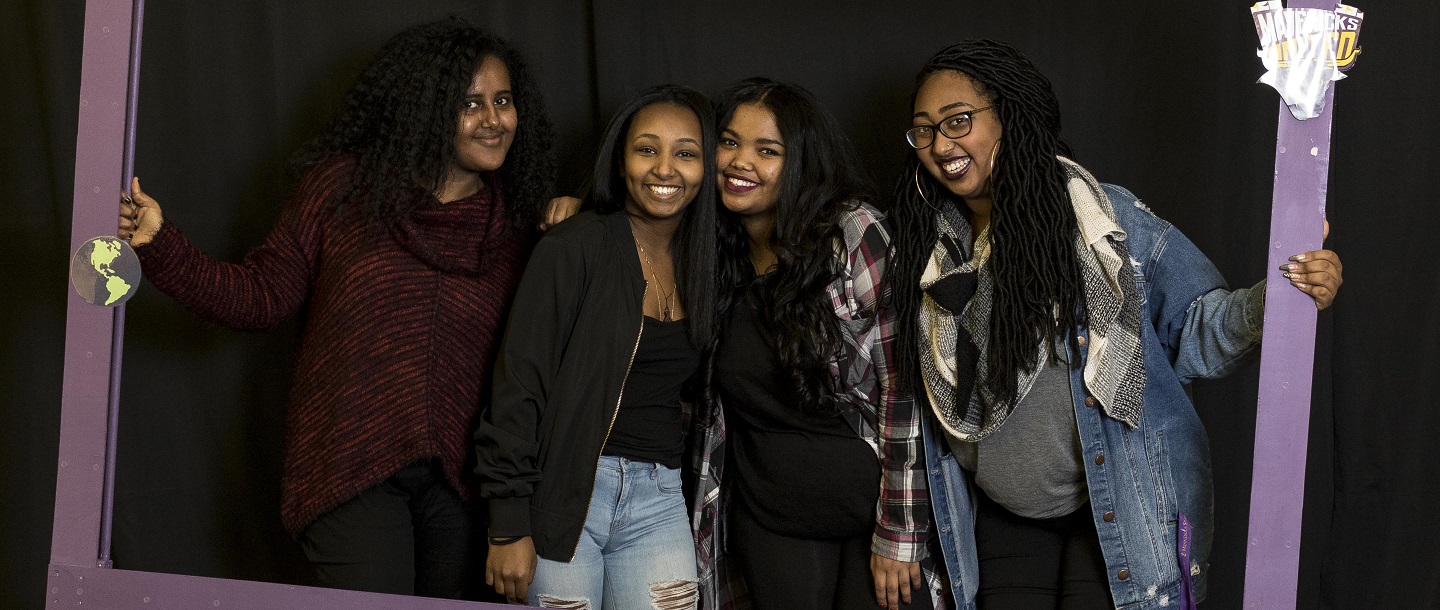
1299	284
1298	257
1288	274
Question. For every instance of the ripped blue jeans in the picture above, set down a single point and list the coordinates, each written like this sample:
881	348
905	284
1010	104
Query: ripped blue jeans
636	551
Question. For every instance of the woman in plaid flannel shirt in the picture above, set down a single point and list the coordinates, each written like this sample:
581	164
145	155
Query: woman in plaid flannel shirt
826	493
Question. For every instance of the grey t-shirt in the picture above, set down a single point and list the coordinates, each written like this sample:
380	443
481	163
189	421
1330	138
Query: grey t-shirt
1031	464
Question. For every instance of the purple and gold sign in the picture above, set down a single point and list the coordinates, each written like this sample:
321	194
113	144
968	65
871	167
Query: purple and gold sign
1304	50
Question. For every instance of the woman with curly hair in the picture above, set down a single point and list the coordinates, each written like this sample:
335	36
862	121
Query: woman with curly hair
1051	322
404	240
823	492
581	448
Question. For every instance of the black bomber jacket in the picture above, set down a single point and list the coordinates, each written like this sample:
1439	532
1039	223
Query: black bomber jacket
572	334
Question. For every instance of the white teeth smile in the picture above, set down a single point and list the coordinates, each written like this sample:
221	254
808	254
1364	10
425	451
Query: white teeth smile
663	191
956	166
741	182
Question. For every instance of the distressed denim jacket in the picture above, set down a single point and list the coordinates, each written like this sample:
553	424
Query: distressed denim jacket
1141	479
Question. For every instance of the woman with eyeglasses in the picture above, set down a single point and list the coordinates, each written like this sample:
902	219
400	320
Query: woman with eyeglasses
811	478
403	241
581	447
1051	322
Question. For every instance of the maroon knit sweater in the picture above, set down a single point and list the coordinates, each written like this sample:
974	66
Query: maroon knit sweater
399	333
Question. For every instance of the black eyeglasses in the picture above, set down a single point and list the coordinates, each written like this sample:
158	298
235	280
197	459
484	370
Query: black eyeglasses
954	126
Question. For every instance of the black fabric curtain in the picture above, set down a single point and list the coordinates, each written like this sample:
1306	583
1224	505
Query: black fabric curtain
1158	97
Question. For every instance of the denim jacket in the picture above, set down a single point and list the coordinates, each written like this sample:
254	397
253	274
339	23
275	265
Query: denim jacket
1140	479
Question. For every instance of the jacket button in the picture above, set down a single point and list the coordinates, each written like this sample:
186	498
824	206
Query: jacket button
1123	574
1090	401
1080	340
1109	516
1099	459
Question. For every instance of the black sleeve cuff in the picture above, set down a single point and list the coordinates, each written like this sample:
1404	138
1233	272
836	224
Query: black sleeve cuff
509	517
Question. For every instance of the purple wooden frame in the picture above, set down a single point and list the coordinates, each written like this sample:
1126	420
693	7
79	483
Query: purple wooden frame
80	574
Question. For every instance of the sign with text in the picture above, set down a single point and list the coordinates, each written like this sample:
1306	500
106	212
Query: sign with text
1304	50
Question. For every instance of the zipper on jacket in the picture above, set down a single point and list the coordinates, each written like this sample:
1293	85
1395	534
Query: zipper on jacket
613	415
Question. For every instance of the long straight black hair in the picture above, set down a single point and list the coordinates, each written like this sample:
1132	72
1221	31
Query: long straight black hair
820	183
1038	286
693	243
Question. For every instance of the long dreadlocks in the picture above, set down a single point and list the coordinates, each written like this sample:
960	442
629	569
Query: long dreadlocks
1038	286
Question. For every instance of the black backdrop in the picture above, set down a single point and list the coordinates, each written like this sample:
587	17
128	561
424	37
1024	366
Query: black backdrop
1159	97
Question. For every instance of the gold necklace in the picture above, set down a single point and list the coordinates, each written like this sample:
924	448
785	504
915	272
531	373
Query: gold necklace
666	314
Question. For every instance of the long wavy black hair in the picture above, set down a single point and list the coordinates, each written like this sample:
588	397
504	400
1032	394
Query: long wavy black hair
1038	286
820	183
693	244
398	122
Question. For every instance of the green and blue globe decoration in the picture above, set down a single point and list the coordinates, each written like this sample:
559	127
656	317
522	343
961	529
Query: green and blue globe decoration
105	271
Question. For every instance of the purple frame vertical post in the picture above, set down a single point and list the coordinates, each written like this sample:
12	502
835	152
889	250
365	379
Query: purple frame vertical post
1287	358
117	351
90	347
80	573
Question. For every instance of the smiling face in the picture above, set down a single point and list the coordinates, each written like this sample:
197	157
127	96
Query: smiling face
664	163
487	122
750	158
962	164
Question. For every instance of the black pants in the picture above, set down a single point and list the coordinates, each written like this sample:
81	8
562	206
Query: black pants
408	535
1033	564
785	573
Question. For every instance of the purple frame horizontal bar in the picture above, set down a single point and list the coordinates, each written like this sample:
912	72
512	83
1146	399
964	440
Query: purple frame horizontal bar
107	589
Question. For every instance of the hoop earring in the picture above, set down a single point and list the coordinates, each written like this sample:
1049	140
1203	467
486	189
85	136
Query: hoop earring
921	191
990	173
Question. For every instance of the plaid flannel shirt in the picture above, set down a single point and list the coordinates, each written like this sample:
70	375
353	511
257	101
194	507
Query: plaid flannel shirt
887	420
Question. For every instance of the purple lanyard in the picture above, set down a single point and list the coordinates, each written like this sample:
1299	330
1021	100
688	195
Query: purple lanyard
1187	588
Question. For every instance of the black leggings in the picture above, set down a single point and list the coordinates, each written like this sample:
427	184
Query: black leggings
1032	564
786	573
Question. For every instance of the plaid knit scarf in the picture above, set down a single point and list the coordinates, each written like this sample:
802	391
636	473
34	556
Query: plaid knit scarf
959	295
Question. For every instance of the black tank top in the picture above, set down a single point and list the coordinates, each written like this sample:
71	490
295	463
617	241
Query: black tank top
648	426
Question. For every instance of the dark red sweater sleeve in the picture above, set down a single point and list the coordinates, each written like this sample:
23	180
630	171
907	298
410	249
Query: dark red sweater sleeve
274	279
